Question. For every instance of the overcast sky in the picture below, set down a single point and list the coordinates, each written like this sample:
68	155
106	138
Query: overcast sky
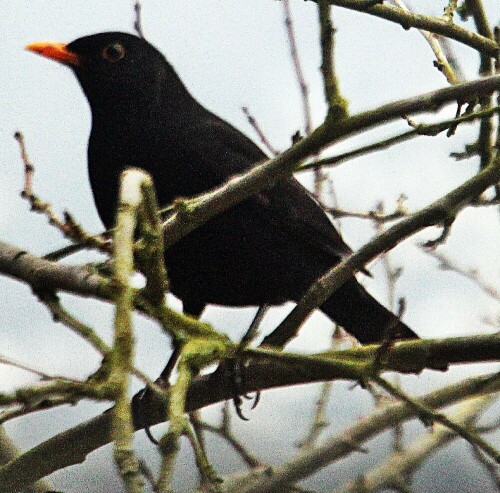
232	54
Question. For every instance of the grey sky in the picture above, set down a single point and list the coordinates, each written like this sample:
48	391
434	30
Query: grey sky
232	54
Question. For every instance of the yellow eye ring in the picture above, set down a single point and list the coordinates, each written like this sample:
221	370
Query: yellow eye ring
113	52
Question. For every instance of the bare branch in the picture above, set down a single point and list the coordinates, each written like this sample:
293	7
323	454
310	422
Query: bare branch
421	129
138	19
332	449
67	226
437	212
304	90
225	431
8	452
130	200
191	213
441	62
71	447
429	417
21	366
472	274
399	465
262	136
337	105
433	24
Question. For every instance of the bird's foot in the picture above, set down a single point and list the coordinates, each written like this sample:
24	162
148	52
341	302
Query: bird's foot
238	380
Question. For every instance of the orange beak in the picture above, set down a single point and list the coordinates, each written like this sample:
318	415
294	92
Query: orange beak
57	51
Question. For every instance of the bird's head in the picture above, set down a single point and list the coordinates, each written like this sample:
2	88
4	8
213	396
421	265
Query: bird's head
114	68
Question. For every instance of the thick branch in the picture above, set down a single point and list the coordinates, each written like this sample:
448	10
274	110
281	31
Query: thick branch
122	355
8	451
43	274
71	447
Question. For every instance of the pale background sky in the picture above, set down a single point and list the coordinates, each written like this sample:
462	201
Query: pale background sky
232	54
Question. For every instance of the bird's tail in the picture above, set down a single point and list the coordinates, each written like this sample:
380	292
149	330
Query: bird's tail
352	307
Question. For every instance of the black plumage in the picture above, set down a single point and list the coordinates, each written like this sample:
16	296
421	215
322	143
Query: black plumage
268	249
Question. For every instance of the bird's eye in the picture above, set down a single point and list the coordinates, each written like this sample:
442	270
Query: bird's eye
113	52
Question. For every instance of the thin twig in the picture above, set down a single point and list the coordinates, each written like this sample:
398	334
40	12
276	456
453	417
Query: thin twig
88	334
24	410
394	470
451	56
10	362
318	421
490	468
197	424
429	417
138	19
392	275
421	129
449	11
445	263
441	62
61	253
339	446
55	388
61	315
262	136
67	226
337	104
486	137
147	473
374	215
224	430
253	330
304	90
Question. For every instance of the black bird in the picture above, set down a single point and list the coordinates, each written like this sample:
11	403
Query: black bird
268	249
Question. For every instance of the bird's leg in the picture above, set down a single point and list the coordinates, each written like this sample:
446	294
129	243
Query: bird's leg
237	366
253	330
194	309
163	381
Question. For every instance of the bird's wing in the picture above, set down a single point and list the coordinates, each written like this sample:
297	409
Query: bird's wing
291	206
287	205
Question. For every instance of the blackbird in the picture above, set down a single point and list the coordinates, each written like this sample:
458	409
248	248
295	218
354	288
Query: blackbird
266	250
